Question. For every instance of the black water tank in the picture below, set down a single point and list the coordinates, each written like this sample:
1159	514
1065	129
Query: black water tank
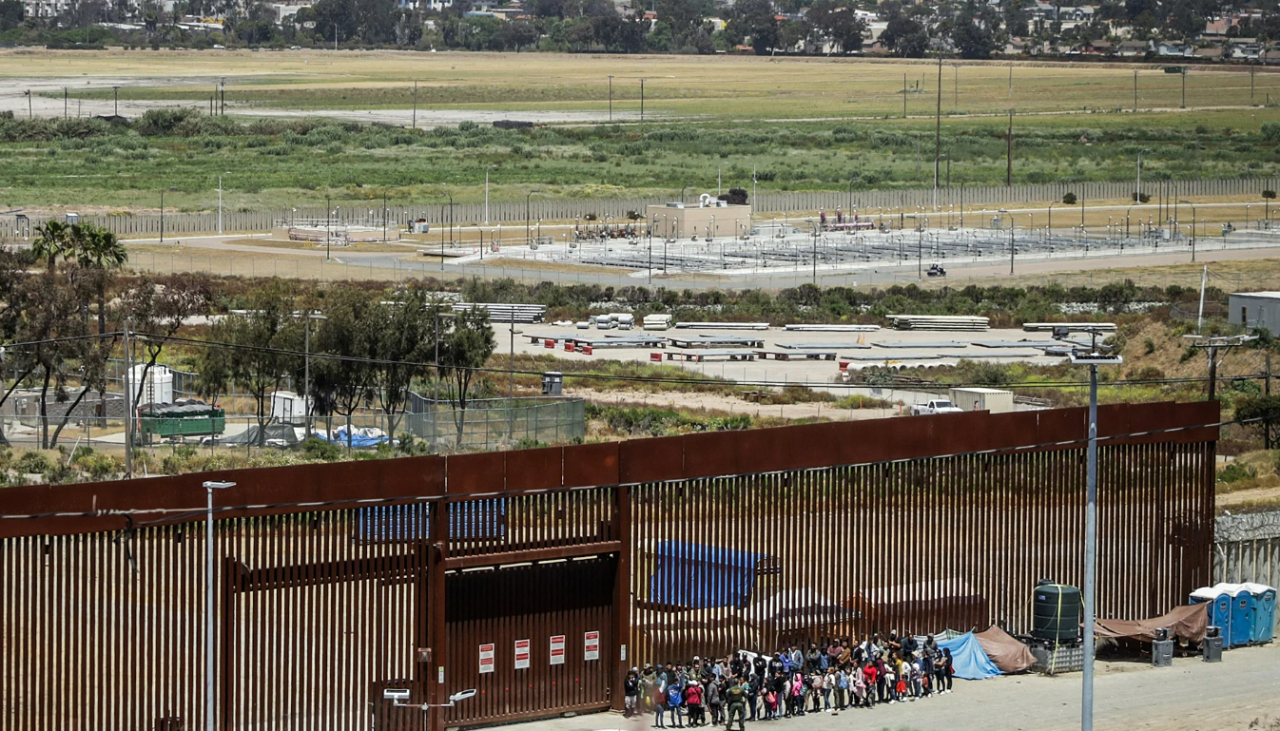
1056	613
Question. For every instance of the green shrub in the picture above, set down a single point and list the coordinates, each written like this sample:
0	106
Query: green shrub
1235	471
318	450
32	463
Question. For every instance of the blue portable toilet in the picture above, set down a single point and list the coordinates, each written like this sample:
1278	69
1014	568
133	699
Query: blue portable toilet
1243	608
1264	612
1217	601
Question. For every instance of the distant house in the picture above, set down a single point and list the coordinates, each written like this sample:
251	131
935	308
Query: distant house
1133	48
1213	53
1172	49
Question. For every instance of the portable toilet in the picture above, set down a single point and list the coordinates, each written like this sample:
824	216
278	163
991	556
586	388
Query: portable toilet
1243	606
1265	619
1264	611
1217	601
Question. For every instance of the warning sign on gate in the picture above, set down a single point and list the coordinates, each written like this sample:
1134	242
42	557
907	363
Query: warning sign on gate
522	654
486	658
591	646
557	649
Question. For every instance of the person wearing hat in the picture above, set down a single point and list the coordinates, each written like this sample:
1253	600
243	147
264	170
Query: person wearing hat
736	694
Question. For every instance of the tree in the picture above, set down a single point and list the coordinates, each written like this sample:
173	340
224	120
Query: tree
53	243
905	37
838	24
1267	410
974	41
464	349
349	333
11	14
405	337
99	250
754	20
256	343
1070	199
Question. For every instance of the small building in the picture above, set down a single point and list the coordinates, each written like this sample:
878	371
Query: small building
711	217
1255	310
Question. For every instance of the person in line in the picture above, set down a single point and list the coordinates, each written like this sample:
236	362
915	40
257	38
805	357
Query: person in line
693	703
631	693
948	671
714	701
675	704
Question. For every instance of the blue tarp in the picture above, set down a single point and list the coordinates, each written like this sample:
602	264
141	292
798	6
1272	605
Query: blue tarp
471	519
695	576
358	440
968	658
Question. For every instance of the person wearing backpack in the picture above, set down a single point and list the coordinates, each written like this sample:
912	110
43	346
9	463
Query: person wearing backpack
631	693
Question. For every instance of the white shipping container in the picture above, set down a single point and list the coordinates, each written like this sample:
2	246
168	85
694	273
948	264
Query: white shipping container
288	407
983	399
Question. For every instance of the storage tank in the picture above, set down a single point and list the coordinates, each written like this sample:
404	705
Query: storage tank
1056	613
155	388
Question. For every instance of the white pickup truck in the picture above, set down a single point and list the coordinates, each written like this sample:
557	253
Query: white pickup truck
936	406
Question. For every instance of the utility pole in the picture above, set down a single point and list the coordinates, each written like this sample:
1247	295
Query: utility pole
904	96
641	100
1010	81
128	401
1212	345
1184	87
1251	72
1135	90
1266	391
937	137
415	105
611	97
1008	174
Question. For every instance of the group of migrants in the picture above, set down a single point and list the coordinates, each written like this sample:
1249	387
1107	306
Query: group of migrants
748	686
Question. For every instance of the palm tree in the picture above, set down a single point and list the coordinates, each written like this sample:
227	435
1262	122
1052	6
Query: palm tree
54	241
98	248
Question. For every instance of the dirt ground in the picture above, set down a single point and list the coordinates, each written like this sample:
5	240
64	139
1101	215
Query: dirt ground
730	405
1238	693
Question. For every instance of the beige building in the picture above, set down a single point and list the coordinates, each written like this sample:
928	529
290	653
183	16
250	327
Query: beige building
710	217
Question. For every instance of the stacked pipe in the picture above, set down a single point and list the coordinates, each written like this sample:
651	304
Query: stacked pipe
954	323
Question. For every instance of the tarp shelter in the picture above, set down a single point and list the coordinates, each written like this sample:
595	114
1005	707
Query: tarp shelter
696	576
276	435
1005	652
1186	623
968	659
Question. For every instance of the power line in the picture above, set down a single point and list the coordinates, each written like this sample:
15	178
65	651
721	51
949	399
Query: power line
358	502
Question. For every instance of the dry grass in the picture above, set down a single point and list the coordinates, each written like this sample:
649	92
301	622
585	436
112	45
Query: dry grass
733	86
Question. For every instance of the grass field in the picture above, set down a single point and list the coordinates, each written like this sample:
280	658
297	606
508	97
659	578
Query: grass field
797	123
740	87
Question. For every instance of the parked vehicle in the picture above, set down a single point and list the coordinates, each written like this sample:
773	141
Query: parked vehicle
936	270
935	406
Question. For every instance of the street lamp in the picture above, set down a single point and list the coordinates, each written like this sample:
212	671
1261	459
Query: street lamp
1093	358
210	706
162	190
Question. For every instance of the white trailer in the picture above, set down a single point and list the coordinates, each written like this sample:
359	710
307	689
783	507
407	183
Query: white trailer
983	399
288	407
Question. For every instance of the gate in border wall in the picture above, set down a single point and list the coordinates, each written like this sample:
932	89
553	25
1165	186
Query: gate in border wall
538	577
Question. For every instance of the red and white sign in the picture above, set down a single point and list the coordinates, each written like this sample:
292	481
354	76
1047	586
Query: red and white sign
591	645
486	658
557	649
522	654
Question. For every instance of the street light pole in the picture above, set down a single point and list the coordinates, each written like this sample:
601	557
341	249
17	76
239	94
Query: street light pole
210	619
610	97
327	213
1193	228
527	219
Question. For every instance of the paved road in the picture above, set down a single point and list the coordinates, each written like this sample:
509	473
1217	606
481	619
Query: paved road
1190	696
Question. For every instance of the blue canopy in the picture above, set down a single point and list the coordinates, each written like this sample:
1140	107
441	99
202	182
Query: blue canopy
694	576
968	658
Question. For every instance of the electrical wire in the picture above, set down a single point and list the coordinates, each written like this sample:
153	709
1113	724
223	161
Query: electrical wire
358	502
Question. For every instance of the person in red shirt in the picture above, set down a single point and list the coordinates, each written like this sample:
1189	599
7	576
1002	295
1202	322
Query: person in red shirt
871	673
693	701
